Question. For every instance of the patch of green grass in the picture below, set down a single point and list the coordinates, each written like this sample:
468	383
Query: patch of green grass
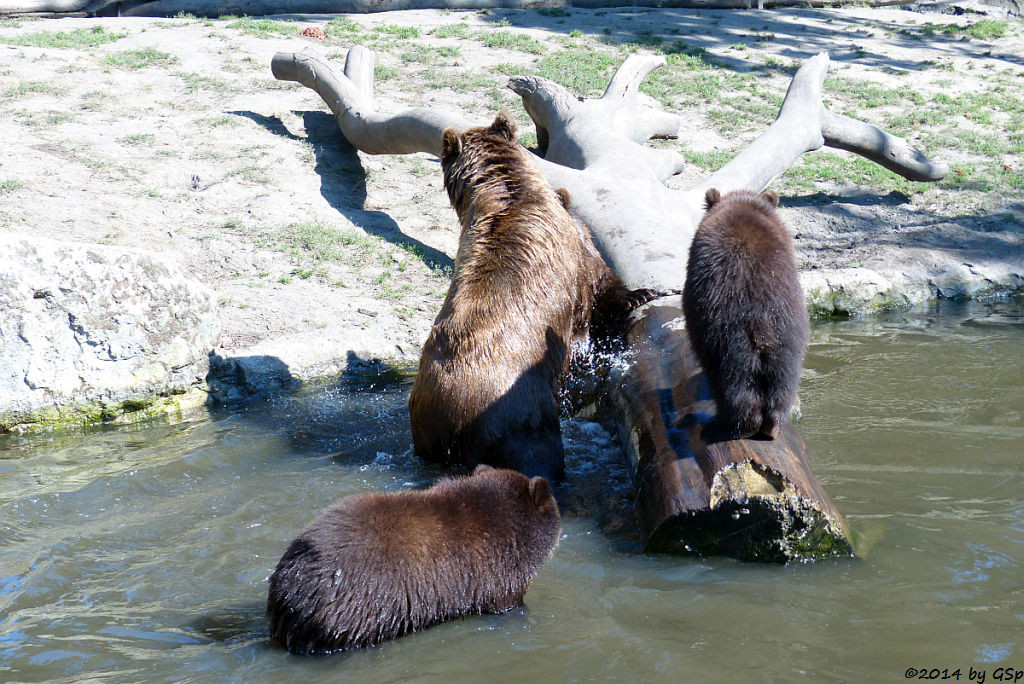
221	120
680	83
136	139
383	73
508	40
583	71
1013	179
906	121
10	185
457	80
313	241
34	88
93	99
967	175
77	39
751	109
265	28
311	245
50	118
427	55
195	82
871	95
392	293
460	30
986	28
819	167
399	31
709	161
342	26
528	139
139	59
983	144
645	39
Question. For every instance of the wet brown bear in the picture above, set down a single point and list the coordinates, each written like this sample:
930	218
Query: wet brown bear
745	312
527	276
376	566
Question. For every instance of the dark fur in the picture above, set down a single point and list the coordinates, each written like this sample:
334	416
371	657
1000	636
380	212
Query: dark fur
745	312
375	566
527	277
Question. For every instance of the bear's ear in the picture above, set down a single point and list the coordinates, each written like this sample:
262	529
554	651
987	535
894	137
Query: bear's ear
504	125
772	197
482	468
711	198
540	492
563	197
451	143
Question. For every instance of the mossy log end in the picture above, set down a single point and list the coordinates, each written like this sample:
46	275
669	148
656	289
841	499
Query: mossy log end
756	500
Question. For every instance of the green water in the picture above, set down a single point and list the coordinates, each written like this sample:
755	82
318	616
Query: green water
142	554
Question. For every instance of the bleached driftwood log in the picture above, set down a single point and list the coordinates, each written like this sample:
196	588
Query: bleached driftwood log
690	496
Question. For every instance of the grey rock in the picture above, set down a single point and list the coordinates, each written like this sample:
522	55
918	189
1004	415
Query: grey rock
89	332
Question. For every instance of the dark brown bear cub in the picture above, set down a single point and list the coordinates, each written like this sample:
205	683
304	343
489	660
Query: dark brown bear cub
375	566
745	312
527	277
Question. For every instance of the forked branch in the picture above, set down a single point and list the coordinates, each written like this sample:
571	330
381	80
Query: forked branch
594	148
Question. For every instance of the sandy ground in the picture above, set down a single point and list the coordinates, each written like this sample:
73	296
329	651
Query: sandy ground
174	137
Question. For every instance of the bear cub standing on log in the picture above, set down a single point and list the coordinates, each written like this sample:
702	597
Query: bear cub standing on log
745	312
527	278
376	566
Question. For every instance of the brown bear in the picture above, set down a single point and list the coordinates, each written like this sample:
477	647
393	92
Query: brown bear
745	312
376	566
527	278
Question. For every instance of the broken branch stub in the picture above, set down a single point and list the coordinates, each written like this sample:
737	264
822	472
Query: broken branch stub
689	493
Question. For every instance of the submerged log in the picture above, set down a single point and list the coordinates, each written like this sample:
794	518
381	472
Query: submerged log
756	500
753	500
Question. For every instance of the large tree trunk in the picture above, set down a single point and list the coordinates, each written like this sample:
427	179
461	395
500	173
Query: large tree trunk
754	500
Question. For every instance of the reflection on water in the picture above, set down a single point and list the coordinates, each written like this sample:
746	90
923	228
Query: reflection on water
141	554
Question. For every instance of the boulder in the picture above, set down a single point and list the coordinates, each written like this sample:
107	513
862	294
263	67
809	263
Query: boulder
91	333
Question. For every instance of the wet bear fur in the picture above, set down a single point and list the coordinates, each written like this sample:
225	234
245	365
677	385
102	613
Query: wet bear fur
527	278
745	312
376	566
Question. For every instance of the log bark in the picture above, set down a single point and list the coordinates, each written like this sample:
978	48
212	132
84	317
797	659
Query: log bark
754	500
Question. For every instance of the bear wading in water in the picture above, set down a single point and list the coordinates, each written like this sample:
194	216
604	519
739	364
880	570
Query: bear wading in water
745	312
527	279
375	566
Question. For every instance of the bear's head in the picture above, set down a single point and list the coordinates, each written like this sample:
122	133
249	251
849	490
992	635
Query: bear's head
535	508
477	159
766	200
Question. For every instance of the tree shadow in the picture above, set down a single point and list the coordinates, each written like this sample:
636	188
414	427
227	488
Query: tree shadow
343	181
888	228
661	29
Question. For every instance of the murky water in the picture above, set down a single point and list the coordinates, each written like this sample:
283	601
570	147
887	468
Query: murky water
142	554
